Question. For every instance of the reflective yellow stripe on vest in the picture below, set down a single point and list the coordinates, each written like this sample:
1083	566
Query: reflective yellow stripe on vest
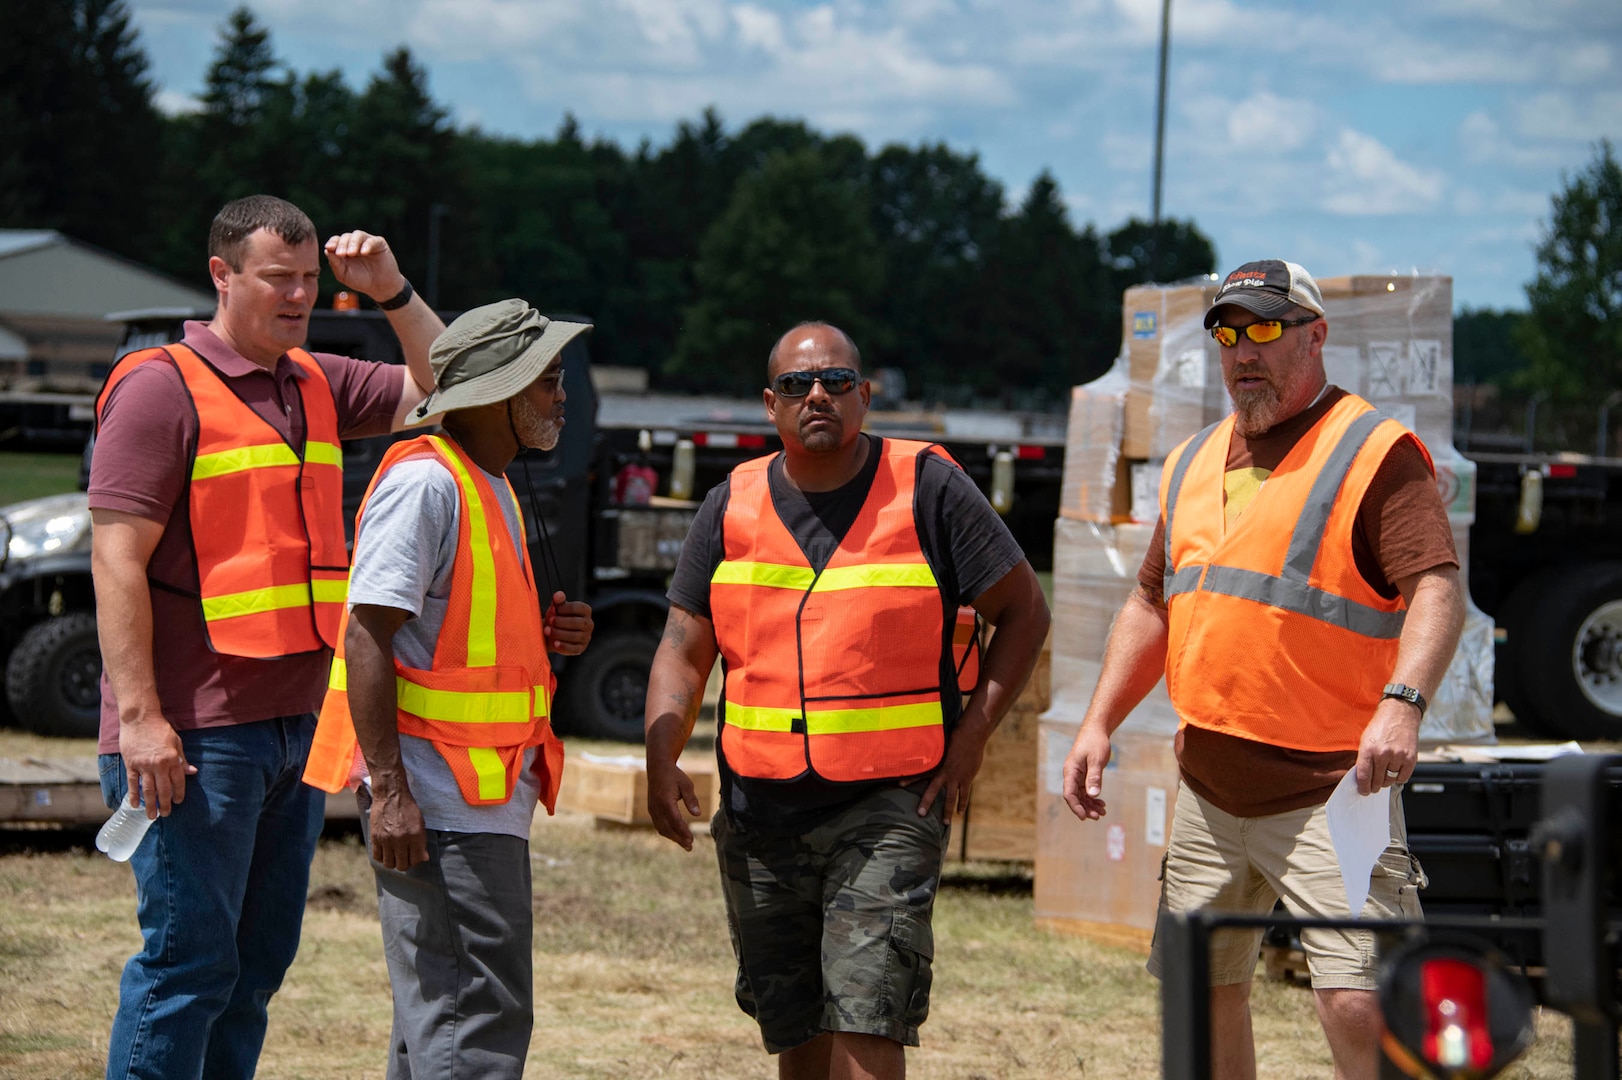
330	590
833	579
481	623
761	718
324	453
453	706
888	718
242	458
491	772
542	706
257	601
876	575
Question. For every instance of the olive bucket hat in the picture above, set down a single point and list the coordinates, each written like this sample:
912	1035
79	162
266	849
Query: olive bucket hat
490	353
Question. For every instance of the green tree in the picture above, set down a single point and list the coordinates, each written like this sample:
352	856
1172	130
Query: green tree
795	243
1573	335
1486	347
1140	252
1055	312
80	128
936	215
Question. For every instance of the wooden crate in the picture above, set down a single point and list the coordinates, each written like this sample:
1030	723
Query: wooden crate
1001	821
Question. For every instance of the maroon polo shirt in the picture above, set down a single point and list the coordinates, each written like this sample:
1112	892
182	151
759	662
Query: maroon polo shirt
143	454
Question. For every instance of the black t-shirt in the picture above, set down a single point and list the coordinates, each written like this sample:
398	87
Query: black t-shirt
963	540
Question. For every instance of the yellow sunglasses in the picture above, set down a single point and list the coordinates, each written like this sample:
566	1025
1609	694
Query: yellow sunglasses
1259	332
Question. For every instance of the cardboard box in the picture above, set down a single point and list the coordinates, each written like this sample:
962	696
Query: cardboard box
1100	878
616	788
1089	486
1174	367
1391	341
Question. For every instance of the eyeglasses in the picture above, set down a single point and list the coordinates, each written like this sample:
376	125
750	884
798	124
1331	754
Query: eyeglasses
1259	332
836	381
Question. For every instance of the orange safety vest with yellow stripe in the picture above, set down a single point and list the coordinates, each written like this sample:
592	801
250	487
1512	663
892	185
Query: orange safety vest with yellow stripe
842	672
266	517
487	698
1274	634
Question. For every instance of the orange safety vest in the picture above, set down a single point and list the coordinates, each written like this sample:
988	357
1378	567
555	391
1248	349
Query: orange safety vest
266	518
1274	635
842	672
487	698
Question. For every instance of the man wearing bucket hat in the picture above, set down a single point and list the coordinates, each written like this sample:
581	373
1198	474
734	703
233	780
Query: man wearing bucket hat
440	697
1301	597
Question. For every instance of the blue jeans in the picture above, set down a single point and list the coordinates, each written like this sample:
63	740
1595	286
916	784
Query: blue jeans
221	884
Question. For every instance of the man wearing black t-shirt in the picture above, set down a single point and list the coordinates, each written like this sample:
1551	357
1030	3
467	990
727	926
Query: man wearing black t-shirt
827	578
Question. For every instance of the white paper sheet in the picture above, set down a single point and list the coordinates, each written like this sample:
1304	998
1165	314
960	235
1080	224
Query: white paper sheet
1360	828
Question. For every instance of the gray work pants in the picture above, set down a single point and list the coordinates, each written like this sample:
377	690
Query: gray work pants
457	935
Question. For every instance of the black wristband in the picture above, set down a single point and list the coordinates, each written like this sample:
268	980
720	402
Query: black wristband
398	300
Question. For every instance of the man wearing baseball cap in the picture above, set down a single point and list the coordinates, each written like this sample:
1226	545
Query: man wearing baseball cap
439	703
1301	597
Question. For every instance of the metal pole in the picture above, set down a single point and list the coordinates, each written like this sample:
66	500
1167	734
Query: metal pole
1185	997
1160	141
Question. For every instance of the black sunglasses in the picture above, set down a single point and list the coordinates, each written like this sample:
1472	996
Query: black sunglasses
839	380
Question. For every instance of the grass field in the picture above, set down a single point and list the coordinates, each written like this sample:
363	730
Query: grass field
633	971
28	476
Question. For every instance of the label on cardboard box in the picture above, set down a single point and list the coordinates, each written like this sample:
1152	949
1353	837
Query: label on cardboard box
1146	491
1154	817
1145	324
1115	843
1189	368
1343	366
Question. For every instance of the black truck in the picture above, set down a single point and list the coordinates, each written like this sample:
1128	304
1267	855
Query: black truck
614	537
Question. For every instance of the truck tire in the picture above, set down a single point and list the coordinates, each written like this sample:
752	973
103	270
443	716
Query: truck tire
602	694
53	678
1568	665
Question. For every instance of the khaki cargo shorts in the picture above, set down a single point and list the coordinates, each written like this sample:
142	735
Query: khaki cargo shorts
1217	861
831	927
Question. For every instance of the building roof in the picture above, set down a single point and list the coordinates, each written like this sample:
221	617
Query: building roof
45	273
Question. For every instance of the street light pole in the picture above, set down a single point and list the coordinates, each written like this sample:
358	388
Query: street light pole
1160	139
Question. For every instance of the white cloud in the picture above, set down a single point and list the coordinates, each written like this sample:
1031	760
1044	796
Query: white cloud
1559	114
758	28
1365	177
1266	120
174	103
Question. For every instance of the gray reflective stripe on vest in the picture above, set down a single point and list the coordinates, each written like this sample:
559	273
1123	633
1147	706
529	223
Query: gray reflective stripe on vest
1176	583
1185	580
1290	590
1303	599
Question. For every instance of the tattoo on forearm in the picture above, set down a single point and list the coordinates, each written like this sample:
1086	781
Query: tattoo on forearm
675	633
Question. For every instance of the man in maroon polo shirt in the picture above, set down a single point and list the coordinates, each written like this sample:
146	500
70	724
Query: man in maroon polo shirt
214	744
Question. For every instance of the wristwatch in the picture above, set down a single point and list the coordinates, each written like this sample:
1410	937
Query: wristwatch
398	300
1404	692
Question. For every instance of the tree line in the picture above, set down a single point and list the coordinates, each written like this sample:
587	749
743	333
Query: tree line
690	256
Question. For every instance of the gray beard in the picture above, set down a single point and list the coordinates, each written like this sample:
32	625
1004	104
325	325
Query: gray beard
1255	411
534	430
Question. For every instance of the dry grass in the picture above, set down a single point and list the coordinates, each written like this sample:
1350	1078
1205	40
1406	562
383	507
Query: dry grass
633	972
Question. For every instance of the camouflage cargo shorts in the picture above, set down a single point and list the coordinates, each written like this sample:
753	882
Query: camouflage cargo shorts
831	927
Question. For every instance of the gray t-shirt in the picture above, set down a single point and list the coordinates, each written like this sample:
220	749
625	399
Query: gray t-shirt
404	555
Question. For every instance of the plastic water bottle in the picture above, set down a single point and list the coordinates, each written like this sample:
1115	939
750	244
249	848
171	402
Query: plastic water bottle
122	834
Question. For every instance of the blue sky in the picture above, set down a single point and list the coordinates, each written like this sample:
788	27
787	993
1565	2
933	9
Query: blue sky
1369	136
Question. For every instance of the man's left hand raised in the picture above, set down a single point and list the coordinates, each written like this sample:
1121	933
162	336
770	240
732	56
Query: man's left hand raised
365	263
